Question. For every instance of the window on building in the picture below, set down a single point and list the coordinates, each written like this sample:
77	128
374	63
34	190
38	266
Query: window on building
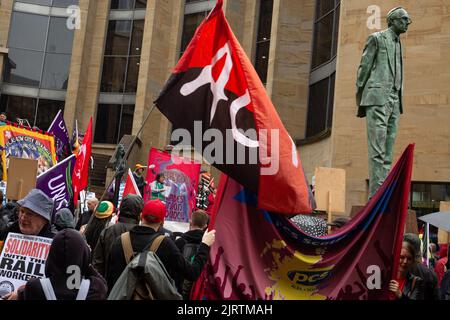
113	122
39	112
122	56
190	24
323	68
195	11
40	51
54	3
128	4
425	198
263	38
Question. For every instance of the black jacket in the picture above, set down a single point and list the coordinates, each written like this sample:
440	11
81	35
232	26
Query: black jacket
105	241
68	248
140	182
413	292
130	210
192	237
46	231
84	219
167	252
430	282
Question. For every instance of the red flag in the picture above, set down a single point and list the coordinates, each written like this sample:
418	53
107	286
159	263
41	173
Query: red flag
214	86
81	169
130	186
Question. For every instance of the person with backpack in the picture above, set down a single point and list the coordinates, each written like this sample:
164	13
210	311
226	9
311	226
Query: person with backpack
68	249
188	243
130	211
141	238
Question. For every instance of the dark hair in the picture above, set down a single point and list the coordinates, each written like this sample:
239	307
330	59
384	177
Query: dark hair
93	229
159	175
200	219
1	197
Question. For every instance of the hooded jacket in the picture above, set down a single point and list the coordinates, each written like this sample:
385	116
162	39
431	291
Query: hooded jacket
171	257
64	220
130	211
68	248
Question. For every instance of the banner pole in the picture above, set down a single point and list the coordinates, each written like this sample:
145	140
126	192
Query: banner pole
330	216
127	154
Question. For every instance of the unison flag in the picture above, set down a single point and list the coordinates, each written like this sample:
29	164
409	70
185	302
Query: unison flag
81	170
261	255
216	96
57	183
59	130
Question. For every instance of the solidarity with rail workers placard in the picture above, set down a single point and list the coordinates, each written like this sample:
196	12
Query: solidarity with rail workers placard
23	258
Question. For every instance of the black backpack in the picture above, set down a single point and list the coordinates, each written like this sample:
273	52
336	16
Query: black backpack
445	286
189	252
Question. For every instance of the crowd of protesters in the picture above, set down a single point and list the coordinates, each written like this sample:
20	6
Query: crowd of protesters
95	244
103	249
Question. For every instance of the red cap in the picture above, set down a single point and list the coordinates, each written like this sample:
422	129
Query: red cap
154	211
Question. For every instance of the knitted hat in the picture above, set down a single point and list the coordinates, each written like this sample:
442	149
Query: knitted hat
104	210
154	211
38	202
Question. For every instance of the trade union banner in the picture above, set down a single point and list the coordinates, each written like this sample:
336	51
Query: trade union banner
57	183
180	185
59	130
20	142
22	259
261	255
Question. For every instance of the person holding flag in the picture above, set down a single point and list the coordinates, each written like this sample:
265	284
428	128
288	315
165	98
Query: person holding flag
81	169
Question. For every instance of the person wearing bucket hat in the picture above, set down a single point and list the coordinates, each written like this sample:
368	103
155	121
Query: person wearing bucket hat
142	236
99	221
34	216
138	176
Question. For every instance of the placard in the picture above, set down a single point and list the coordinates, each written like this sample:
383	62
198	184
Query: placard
23	258
22	177
443	235
330	181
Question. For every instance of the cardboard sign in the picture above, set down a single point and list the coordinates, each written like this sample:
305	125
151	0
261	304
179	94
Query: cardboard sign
23	258
330	189
411	223
22	177
443	236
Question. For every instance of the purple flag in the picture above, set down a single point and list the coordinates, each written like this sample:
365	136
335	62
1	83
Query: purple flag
59	130
57	183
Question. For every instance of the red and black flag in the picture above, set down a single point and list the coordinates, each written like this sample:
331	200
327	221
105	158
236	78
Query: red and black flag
215	94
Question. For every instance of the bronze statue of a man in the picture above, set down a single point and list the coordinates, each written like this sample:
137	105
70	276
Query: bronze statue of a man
379	93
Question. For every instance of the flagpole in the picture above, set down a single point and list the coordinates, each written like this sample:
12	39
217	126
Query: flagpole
127	154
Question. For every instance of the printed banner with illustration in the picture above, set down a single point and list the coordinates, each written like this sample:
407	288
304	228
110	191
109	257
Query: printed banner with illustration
260	255
180	185
28	144
22	259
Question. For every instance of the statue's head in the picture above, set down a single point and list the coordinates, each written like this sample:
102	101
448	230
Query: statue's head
398	20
